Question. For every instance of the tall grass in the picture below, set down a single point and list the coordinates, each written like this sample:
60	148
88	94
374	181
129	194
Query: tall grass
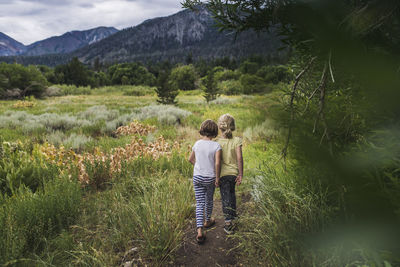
144	210
275	233
27	219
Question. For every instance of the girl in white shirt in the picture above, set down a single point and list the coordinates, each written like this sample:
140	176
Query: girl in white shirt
206	158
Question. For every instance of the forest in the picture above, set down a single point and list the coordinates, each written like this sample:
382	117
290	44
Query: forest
93	158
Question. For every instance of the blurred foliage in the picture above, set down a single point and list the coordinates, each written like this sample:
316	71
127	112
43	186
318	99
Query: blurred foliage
342	109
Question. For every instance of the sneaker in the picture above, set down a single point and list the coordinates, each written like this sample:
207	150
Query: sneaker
228	228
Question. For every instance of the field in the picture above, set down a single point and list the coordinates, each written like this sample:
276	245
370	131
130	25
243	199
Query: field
102	179
77	191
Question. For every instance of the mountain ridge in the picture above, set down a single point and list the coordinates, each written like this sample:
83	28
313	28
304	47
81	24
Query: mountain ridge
10	46
171	38
69	41
61	44
175	36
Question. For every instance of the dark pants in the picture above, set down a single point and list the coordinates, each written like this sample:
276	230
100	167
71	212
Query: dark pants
228	197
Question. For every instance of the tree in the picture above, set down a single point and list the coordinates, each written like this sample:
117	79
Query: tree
343	99
25	81
130	74
165	92
183	78
210	87
248	67
74	72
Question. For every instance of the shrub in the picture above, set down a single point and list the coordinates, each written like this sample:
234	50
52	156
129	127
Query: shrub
252	84
163	113
226	75
267	131
130	74
98	113
29	80
230	87
18	168
76	141
75	90
248	67
183	78
99	172
275	74
53	91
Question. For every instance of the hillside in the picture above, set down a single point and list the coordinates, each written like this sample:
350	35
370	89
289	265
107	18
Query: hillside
174	37
69	41
170	38
9	46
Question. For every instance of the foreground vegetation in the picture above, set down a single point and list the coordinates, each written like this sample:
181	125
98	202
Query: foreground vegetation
321	147
78	189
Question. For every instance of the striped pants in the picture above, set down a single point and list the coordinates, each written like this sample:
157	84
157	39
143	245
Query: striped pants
204	188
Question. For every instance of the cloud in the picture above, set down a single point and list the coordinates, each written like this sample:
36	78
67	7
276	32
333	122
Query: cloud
28	21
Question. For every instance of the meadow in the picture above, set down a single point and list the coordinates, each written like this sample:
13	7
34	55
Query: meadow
100	177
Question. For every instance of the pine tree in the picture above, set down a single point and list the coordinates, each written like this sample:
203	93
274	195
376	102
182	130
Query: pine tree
210	87
165	92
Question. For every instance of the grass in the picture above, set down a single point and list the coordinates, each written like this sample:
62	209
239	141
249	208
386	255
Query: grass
138	213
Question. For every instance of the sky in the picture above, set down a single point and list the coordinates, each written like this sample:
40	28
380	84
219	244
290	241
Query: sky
28	21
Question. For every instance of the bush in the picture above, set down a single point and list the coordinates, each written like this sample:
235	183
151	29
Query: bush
230	87
164	113
249	67
29	80
268	130
183	78
252	84
74	141
275	74
19	168
75	90
53	91
226	75
130	74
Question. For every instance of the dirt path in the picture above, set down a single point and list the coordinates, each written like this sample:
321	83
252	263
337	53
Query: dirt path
218	249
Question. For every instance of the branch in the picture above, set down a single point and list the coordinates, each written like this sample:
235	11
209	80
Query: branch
297	80
321	114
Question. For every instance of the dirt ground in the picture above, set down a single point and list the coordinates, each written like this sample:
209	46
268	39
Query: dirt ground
217	250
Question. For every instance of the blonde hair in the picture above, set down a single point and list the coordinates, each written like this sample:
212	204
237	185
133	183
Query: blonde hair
226	123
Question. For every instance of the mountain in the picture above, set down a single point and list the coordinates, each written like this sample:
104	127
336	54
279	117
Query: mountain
9	46
174	37
170	38
69	41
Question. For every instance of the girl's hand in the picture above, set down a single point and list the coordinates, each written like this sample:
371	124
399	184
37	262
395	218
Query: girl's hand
238	180
217	182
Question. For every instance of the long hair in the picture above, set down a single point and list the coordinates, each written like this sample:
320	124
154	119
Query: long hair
226	123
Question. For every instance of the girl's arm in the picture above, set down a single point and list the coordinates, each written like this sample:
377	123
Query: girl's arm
218	156
192	158
239	158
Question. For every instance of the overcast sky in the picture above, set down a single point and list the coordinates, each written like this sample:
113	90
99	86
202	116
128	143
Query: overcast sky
28	21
